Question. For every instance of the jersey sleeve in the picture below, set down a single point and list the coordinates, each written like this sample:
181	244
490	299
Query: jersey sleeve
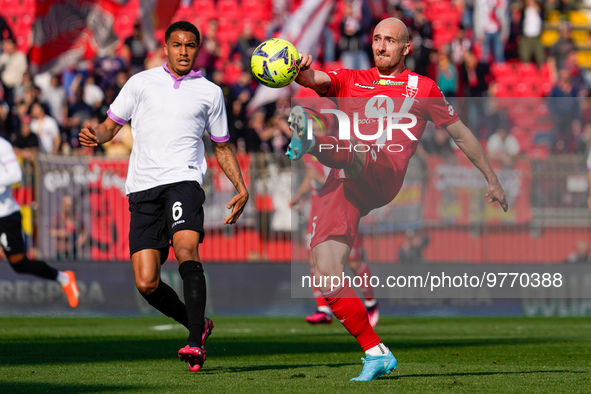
10	169
337	87
440	111
121	110
217	119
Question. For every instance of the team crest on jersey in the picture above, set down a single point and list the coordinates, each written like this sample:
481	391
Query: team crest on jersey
364	86
388	82
411	92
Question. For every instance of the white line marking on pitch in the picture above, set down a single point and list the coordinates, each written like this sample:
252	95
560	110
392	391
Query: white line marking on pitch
166	327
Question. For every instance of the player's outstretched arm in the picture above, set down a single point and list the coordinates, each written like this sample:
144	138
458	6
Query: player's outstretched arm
228	162
91	137
319	81
466	141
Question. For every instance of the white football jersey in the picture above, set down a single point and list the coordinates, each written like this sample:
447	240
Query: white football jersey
10	173
169	116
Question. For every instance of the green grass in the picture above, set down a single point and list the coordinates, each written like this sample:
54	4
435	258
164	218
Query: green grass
286	355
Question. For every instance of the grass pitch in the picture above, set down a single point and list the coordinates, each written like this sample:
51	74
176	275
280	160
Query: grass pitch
286	355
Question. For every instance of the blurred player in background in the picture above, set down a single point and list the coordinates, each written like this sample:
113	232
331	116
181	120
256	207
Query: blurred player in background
170	108
364	180
312	183
11	236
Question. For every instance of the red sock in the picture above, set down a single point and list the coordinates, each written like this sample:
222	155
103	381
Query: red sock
332	152
320	300
367	291
348	308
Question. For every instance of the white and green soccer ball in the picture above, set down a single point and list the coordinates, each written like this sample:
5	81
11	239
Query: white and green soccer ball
275	63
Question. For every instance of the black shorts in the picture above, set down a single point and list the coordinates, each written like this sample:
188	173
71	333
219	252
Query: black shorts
11	234
158	213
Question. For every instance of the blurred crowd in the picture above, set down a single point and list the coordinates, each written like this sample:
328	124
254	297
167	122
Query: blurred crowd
461	44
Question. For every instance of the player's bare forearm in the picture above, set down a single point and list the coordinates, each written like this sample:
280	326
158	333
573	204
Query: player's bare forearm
92	136
319	81
227	161
466	141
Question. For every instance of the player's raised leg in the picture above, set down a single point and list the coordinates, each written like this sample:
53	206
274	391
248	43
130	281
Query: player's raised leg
330	151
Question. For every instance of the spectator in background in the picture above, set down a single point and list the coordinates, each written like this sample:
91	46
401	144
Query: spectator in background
411	250
5	30
93	95
68	231
515	27
210	49
136	50
107	67
243	89
561	48
46	129
13	65
447	76
503	147
79	112
532	26
25	143
491	27
459	46
256	127
438	142
421	34
565	110
4	114
474	74
353	27
55	98
156	58
580	255
245	45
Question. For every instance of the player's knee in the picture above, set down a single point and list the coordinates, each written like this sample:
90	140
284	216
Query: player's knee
146	287
186	252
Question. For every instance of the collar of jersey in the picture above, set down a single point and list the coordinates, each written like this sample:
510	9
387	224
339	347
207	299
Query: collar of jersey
404	73
177	81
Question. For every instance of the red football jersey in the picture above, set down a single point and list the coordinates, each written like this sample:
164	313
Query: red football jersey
370	95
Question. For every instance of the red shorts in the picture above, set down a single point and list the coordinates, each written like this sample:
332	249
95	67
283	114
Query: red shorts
343	201
356	253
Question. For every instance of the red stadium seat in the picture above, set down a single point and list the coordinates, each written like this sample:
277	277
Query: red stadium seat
229	29
228	9
255	9
10	8
205	9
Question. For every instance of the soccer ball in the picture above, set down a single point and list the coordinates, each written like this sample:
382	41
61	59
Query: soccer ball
275	63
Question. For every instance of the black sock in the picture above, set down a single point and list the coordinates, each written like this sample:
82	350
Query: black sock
35	267
165	299
195	294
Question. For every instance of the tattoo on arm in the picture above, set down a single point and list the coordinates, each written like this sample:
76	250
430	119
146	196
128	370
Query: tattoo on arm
229	164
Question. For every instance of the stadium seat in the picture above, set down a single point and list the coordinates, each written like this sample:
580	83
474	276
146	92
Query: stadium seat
10	7
229	29
255	9
229	9
205	9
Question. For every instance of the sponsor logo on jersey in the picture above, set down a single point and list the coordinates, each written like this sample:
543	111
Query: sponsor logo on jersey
387	82
364	86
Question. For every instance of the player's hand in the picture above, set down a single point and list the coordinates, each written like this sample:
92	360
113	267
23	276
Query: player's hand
87	136
496	193
237	206
305	61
